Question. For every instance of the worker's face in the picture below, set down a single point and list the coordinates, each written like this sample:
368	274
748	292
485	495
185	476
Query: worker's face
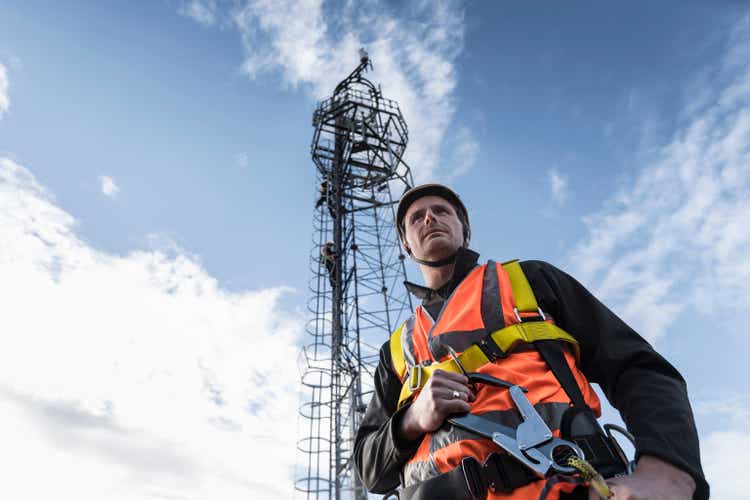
432	228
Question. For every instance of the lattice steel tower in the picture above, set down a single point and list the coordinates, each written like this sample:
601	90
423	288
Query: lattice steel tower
357	295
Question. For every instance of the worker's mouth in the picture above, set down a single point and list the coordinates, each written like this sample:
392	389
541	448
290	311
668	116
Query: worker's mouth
434	232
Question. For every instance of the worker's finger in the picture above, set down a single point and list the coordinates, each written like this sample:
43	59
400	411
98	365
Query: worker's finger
450	386
463	395
448	406
441	375
449	380
619	490
614	481
455	391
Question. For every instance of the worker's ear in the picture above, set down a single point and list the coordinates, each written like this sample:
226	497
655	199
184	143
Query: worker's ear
406	247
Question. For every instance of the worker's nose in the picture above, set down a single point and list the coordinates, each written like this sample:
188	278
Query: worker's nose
429	217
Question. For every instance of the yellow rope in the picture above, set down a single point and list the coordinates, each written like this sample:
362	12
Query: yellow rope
589	474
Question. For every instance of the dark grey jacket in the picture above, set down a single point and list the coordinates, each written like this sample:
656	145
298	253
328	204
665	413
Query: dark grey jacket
649	392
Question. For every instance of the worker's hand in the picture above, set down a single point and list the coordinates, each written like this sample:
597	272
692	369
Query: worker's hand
443	394
653	479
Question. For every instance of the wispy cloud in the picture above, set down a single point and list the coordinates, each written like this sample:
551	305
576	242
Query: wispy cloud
202	11
558	186
4	89
135	376
242	160
730	411
315	43
109	188
723	451
465	154
677	236
723	454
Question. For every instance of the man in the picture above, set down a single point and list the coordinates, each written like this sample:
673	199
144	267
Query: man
328	256
405	440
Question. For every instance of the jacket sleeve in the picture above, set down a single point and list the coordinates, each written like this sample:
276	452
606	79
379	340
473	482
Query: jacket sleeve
379	453
649	392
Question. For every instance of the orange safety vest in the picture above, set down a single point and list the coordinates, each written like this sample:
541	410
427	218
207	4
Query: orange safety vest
484	303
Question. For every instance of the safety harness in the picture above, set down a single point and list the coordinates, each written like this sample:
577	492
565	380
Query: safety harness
533	327
500	472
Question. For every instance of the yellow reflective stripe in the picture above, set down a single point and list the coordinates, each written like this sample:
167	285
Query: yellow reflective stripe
397	353
525	300
473	358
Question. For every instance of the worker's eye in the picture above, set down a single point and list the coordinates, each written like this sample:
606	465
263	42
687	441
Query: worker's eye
416	216
440	210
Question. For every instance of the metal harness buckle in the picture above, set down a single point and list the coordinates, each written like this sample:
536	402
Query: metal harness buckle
531	442
520	320
412	385
490	349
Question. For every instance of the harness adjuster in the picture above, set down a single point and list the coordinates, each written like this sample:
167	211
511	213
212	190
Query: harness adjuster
540	317
490	349
415	385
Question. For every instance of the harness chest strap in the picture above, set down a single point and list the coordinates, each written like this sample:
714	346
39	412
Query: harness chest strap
505	340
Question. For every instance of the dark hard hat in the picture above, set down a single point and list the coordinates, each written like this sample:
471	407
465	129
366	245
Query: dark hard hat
440	190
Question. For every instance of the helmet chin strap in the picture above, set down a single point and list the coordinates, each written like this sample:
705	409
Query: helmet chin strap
436	263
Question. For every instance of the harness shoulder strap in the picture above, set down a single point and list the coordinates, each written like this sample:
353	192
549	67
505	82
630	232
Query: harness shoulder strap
551	351
522	292
397	353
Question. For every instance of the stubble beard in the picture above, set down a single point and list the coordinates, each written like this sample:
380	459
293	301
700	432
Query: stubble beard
438	247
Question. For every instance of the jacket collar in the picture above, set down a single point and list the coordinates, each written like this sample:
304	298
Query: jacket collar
466	260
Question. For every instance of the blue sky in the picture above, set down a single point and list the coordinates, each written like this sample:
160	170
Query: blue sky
156	185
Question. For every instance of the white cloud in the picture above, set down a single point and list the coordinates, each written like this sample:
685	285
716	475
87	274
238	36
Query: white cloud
314	43
201	11
4	85
242	160
724	454
558	186
723	451
465	154
109	188
677	237
728	412
136	376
